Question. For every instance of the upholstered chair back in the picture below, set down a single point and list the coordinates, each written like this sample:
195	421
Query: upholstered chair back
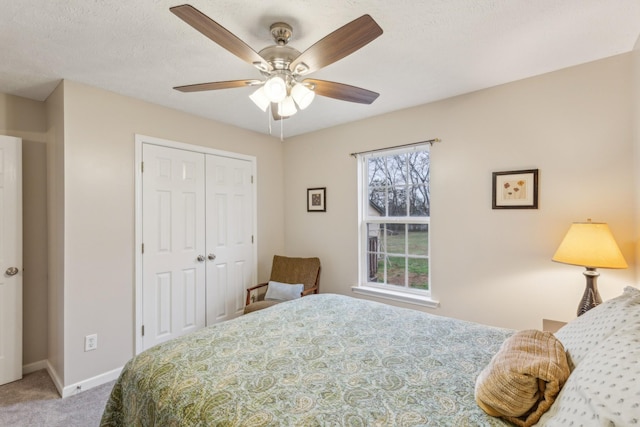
296	270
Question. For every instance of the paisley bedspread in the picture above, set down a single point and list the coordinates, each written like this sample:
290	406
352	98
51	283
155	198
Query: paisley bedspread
322	360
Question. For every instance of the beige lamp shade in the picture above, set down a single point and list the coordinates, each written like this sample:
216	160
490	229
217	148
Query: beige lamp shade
590	244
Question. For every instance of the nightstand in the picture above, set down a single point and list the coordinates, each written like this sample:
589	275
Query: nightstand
552	325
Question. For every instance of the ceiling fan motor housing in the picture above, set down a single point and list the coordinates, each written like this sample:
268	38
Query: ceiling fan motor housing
281	33
279	56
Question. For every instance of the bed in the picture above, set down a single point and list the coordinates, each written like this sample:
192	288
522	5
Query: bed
319	360
322	360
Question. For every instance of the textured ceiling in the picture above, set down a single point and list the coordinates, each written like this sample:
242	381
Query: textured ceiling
430	49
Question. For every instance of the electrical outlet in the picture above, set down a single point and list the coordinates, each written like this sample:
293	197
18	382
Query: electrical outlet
91	342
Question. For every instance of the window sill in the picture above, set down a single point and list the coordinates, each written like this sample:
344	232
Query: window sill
396	296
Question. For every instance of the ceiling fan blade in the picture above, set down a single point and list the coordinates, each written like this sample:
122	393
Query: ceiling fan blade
219	34
335	46
217	85
342	91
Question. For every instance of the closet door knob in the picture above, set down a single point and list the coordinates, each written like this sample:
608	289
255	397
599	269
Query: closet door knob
12	271
200	258
211	257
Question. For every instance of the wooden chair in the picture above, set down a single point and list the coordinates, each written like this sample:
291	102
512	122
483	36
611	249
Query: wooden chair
289	270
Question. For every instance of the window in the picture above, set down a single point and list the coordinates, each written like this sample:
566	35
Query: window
394	221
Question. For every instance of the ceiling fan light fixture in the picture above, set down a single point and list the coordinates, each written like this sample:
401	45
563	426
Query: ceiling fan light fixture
259	97
287	107
302	95
275	89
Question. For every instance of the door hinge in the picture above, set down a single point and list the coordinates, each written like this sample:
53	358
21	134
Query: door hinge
252	239
142	167
142	330
143	248
252	179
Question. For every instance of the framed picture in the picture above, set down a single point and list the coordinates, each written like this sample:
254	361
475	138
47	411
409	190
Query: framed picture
515	189
317	199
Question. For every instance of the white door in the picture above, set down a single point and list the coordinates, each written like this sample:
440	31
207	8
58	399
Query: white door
173	235
10	259
229	236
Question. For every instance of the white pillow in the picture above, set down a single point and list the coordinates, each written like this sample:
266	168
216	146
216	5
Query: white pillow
586	332
277	291
604	390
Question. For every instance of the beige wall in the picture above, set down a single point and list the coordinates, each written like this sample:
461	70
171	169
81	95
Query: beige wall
56	232
26	119
99	131
490	266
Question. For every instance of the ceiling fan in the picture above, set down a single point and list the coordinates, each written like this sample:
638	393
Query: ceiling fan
284	88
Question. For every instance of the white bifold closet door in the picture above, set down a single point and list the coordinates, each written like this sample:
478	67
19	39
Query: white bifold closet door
197	220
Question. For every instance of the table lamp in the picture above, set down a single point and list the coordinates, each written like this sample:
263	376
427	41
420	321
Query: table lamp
590	245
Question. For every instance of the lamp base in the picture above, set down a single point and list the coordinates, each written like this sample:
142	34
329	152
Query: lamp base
591	297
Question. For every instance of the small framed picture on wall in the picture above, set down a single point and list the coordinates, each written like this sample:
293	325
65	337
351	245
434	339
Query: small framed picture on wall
515	189
317	199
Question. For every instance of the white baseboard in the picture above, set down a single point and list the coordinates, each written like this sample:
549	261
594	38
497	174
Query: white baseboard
54	377
35	366
85	385
72	389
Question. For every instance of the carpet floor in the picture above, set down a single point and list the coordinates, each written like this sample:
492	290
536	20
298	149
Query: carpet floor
34	401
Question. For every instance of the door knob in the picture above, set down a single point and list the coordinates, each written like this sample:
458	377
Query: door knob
12	271
200	258
211	257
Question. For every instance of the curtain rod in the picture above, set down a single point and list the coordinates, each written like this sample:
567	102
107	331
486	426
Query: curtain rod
428	141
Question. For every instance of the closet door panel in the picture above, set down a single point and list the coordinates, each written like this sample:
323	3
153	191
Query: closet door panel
229	241
173	217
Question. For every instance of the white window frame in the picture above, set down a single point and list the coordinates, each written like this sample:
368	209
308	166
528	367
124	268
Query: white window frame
383	290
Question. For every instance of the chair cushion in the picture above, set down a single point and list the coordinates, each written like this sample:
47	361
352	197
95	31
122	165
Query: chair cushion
295	270
277	291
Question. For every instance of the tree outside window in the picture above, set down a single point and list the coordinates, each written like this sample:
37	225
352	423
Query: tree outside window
396	219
